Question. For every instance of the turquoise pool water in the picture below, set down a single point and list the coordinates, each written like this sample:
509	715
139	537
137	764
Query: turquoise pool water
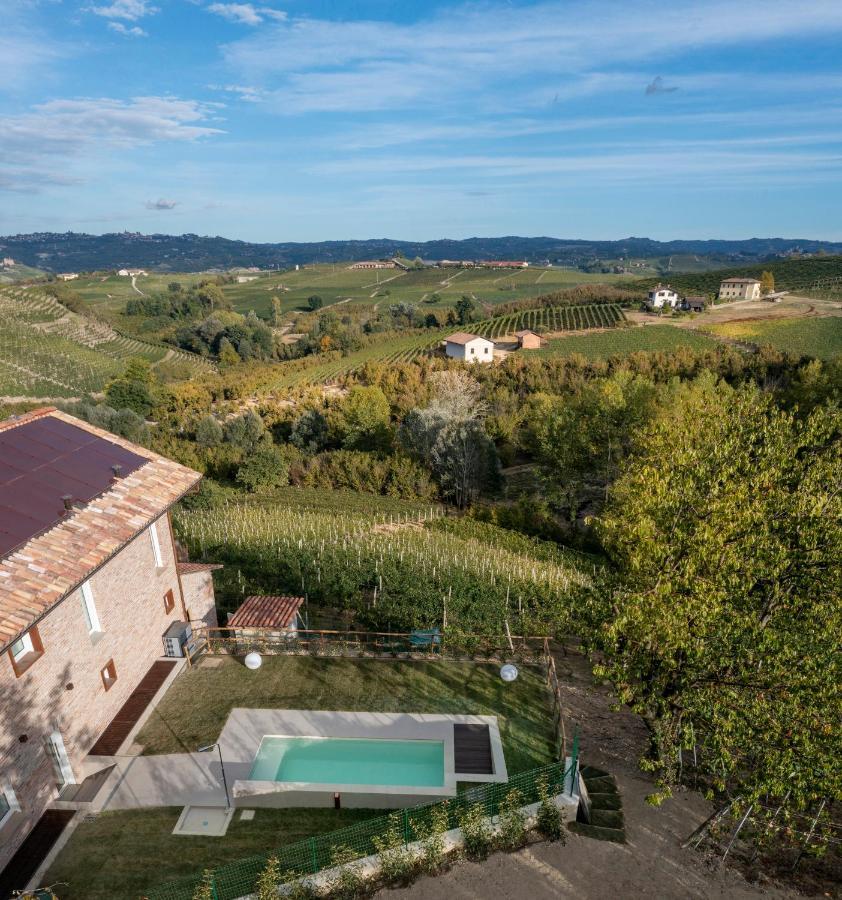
349	761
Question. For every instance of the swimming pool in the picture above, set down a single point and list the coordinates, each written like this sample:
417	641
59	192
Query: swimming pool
350	761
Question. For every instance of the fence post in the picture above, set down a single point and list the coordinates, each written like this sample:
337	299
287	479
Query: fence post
214	893
313	857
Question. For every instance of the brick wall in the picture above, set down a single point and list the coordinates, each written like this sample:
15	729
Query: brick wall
199	597
129	598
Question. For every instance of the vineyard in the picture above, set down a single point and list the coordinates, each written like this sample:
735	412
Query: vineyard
621	341
392	572
814	336
406	348
48	351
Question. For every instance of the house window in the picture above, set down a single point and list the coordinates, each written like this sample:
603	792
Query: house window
108	673
486	351
156	546
89	610
169	601
25	651
8	804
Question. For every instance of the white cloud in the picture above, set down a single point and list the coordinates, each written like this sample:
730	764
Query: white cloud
78	129
128	30
130	10
246	13
161	204
243	91
490	50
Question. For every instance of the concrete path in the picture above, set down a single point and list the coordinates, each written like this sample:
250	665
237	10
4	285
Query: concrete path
173	779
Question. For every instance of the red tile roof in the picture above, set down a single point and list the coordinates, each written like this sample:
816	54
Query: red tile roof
462	337
266	612
39	573
188	568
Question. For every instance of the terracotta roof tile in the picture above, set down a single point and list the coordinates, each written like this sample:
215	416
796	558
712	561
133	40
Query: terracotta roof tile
462	337
188	568
266	612
37	575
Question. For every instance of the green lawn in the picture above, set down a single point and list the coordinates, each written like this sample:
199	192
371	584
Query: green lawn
814	336
618	341
123	854
196	706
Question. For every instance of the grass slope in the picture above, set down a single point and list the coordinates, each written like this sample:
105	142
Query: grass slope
123	854
621	341
196	706
814	336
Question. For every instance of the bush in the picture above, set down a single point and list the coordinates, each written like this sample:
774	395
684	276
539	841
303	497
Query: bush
348	882
209	495
513	828
209	432
550	820
397	863
433	853
268	880
265	468
205	890
475	831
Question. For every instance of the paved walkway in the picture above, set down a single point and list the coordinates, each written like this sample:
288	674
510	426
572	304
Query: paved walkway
173	779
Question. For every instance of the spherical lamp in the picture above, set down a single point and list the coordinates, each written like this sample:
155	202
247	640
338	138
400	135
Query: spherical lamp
509	673
253	660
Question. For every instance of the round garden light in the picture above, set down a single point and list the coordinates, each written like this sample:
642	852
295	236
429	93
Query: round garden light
253	660
509	672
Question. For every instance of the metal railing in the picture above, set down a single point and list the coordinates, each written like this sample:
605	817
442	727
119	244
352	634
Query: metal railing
310	856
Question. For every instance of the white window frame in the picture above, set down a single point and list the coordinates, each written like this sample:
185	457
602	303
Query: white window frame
26	646
89	609
156	546
11	800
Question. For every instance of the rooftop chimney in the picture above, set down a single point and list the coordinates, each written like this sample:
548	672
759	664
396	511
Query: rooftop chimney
117	470
67	500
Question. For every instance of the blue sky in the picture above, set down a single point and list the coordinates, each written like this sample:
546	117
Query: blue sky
308	120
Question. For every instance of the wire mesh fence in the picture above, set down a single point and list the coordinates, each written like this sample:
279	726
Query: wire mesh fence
310	856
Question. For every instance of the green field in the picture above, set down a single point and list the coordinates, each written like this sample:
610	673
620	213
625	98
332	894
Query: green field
814	336
406	347
46	351
602	345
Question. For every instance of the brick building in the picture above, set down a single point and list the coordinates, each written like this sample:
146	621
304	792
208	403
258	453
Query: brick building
89	583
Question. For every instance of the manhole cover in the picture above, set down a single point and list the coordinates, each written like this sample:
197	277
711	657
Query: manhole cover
212	821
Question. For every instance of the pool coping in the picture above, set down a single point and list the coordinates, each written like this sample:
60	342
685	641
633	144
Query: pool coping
244	730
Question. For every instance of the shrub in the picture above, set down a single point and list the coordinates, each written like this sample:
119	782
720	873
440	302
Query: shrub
433	853
265	468
205	890
348	882
268	880
209	432
397	863
513	828
475	831
209	495
550	820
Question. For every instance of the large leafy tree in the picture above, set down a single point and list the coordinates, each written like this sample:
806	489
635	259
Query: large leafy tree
722	622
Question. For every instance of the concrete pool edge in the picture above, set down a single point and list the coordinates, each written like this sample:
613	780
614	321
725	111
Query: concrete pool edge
244	730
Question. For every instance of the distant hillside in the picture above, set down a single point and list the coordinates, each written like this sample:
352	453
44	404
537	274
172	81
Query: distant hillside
790	274
192	253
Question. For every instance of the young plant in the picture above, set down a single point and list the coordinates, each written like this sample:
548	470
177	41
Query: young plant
431	834
268	880
397	863
513	830
205	890
347	883
550	820
475	831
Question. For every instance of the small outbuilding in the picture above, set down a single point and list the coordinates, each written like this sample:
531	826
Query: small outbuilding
694	304
260	613
529	340
469	347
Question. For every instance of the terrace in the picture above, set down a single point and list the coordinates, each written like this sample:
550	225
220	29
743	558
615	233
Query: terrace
126	852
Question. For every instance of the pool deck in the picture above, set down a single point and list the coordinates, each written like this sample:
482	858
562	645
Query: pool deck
245	728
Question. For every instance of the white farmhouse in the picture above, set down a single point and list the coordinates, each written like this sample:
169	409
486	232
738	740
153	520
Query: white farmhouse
660	296
739	289
469	347
8	262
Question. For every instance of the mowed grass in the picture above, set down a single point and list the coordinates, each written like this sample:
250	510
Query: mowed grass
814	336
195	708
621	341
124	854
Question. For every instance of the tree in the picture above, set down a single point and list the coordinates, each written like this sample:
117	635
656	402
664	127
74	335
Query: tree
465	308
245	432
767	283
228	356
265	468
366	416
277	311
465	461
309	431
721	620
209	432
457	394
315	302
